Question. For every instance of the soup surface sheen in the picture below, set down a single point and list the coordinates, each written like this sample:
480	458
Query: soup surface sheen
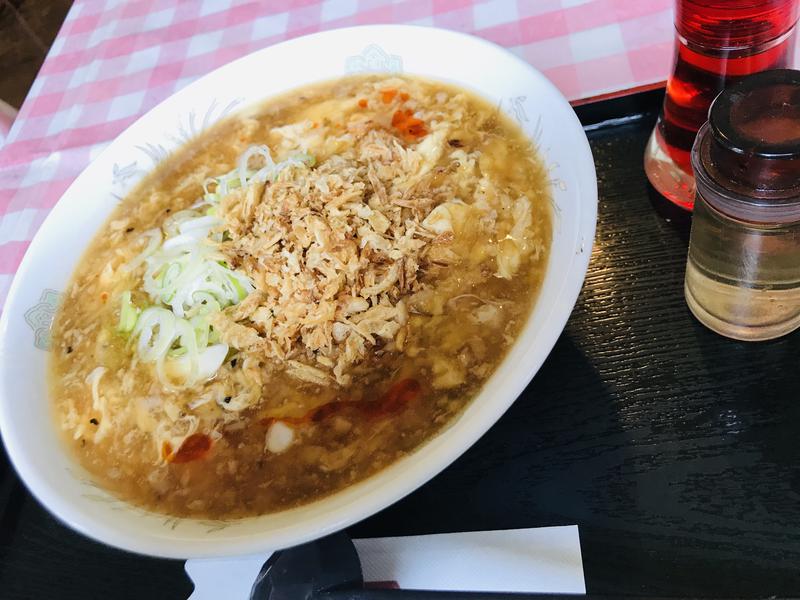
300	297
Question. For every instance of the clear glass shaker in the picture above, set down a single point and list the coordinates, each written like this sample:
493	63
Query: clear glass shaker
743	269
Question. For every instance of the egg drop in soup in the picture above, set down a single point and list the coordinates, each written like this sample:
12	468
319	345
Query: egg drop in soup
299	297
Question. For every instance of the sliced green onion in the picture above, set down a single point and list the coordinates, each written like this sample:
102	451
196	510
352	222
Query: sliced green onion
309	159
188	279
128	314
201	328
240	291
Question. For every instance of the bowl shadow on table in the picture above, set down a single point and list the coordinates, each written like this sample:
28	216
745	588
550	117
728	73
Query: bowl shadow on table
12	497
37	550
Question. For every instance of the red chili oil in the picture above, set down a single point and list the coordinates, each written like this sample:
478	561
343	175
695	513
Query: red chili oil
399	396
718	42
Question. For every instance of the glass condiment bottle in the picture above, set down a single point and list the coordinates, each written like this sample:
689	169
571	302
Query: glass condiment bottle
717	42
743	269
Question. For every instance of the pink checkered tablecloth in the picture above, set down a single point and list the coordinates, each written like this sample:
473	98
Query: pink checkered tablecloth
115	59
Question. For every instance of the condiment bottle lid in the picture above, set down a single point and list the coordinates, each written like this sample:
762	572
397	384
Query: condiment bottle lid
755	135
746	158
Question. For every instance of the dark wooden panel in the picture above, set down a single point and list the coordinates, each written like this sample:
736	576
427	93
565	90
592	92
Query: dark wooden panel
27	28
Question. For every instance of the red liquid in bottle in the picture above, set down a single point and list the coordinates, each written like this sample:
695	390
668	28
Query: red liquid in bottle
718	43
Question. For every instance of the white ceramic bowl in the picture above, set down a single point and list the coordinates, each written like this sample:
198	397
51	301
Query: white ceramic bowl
25	413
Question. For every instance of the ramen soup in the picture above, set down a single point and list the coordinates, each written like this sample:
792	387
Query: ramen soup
300	297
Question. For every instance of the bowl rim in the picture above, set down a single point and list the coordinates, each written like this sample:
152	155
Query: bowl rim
321	524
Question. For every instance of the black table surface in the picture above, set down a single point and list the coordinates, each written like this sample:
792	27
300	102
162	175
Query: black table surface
675	450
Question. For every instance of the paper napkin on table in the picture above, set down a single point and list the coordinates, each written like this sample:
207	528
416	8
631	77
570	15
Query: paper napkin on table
545	559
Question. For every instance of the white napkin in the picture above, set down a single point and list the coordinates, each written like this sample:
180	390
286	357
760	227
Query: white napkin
546	559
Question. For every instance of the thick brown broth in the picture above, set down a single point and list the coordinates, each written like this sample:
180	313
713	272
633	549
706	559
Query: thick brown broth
473	292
